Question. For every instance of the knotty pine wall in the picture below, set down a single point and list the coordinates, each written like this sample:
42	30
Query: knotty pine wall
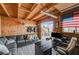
13	26
0	25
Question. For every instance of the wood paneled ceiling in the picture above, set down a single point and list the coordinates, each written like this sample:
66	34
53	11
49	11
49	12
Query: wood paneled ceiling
30	11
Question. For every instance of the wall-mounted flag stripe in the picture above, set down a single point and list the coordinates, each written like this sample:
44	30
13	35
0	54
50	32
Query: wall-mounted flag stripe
71	21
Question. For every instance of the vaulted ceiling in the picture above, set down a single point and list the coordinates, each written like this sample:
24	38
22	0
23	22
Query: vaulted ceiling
33	11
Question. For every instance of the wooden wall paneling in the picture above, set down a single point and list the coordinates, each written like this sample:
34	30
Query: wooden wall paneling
5	31
21	30
11	27
0	26
13	30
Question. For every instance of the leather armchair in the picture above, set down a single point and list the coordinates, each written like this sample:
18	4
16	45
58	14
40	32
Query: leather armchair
7	46
70	47
11	45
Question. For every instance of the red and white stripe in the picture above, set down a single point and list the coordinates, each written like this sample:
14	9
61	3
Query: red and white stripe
72	23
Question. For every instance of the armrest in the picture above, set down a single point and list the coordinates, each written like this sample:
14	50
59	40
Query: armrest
61	51
10	41
61	48
4	49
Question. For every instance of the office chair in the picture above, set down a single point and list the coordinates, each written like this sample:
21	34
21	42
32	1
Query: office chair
70	47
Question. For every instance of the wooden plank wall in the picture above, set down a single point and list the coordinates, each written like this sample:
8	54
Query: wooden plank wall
0	26
12	26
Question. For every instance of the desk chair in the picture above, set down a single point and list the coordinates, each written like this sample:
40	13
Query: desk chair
70	47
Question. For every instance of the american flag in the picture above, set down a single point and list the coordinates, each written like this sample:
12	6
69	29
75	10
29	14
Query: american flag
72	21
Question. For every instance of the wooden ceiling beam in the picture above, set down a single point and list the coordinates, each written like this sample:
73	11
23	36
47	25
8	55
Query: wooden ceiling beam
35	10
41	18
3	6
19	5
33	6
48	14
41	14
24	9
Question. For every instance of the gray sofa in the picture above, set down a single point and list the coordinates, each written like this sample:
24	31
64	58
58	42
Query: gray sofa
7	46
3	49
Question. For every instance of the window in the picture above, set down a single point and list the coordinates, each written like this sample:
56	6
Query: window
78	30
65	29
71	29
47	28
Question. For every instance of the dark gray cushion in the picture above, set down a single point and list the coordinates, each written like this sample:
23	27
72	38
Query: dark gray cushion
3	40
10	41
11	37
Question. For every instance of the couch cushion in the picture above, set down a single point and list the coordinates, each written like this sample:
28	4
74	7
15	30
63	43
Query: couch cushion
11	37
3	40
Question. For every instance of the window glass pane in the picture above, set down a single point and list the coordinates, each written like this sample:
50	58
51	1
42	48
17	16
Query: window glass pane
71	29
47	28
65	29
77	29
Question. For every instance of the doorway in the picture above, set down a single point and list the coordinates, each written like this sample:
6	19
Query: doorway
46	29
